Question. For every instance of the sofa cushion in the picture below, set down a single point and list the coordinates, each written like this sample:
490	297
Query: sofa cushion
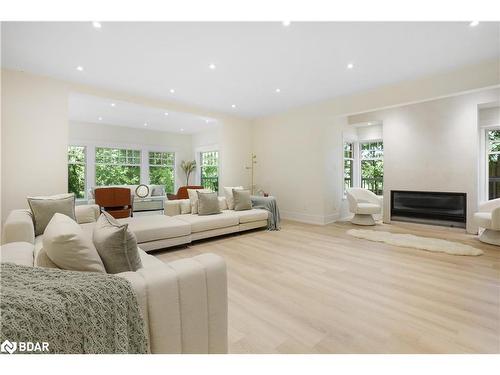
116	244
208	203
68	247
242	200
156	227
193	198
203	223
228	192
44	208
483	219
248	216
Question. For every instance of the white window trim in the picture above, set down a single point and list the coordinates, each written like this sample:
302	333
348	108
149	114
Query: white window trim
90	147
483	164
357	159
198	162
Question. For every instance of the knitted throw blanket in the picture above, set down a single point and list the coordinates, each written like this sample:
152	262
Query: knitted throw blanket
74	312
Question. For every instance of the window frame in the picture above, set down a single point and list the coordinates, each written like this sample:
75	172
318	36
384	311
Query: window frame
127	148
486	157
149	165
358	159
200	161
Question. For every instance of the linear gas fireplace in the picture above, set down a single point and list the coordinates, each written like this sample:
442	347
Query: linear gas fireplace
439	208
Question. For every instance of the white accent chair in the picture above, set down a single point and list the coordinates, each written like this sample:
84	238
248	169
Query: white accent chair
488	217
363	204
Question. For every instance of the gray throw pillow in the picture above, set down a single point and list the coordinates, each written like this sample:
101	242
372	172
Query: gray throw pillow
43	208
208	203
242	200
116	245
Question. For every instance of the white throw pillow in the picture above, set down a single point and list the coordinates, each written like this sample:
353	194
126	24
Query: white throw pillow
228	192
68	247
185	206
193	198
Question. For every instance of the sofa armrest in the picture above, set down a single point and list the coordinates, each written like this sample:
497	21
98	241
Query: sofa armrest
186	303
87	213
20	253
19	227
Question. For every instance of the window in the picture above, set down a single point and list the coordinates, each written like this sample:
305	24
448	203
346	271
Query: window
76	170
209	170
493	147
348	165
115	166
372	166
162	170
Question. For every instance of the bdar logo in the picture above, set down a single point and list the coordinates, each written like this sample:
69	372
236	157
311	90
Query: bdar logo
9	347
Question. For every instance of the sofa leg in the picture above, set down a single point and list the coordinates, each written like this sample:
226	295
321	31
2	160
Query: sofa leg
359	219
490	236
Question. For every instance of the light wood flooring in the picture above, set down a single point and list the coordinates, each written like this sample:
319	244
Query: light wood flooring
315	289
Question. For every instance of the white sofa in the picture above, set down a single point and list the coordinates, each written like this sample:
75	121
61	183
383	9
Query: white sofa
184	303
363	204
228	221
488	217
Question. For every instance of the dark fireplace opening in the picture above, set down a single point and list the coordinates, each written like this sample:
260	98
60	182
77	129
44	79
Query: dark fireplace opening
440	208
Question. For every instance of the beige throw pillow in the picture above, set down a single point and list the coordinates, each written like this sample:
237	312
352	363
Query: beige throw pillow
208	203
116	244
228	192
43	208
242	200
193	198
68	247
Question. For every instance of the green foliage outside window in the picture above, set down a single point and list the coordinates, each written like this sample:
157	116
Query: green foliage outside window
161	170
372	167
76	171
209	171
116	166
493	164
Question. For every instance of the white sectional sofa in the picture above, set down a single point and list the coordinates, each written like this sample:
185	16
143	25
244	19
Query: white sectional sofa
184	303
228	221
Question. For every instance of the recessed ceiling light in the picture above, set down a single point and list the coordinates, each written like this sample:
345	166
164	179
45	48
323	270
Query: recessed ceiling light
233	105
79	68
172	91
474	23
350	66
207	121
113	104
278	90
212	66
369	123
166	113
286	23
100	118
182	129
97	25
145	124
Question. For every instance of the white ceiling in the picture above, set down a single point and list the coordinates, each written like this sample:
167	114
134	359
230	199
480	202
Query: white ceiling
306	60
93	109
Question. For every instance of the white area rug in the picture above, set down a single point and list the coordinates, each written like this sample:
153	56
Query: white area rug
422	243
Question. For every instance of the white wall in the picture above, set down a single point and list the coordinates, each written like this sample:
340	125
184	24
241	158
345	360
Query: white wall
34	138
489	116
92	135
300	151
433	146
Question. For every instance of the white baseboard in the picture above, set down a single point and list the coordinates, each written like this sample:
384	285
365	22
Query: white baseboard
309	218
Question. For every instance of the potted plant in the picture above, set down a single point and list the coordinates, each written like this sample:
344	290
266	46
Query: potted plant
188	166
